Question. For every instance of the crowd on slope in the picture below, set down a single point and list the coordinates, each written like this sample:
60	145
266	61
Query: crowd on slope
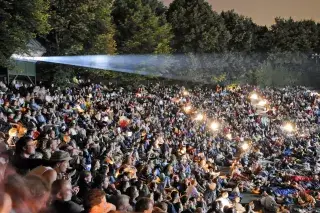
101	148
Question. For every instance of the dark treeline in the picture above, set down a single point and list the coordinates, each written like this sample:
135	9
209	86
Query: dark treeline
230	47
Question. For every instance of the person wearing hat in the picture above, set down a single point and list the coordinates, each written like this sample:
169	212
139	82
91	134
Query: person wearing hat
60	163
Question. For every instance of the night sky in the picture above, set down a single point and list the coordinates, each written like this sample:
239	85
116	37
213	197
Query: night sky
263	12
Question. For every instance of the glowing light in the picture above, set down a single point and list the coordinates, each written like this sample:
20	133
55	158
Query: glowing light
254	96
262	103
229	136
185	93
214	126
183	151
288	127
199	117
148	64
187	108
245	146
129	134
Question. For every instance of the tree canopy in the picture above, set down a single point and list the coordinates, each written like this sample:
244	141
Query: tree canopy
140	28
196	27
21	21
211	45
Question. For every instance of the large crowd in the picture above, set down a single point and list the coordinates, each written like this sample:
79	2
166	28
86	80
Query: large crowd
97	148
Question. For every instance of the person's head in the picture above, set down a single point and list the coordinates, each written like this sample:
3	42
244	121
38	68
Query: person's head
5	203
237	199
132	192
199	210
184	200
144	205
39	192
174	195
144	192
86	176
229	210
127	160
101	181
96	165
153	186
267	192
122	203
61	190
123	186
216	206
61	161
251	205
52	144
95	198
225	195
25	146
192	202
157	197
162	205
158	210
194	183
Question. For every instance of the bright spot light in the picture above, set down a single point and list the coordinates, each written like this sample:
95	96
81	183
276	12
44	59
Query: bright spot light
185	93
229	136
288	127
245	146
262	103
214	126
199	117
183	150
254	96
187	109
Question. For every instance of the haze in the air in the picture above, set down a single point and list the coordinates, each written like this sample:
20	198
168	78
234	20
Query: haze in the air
263	12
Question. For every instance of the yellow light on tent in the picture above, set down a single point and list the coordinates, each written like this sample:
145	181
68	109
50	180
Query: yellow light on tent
199	117
245	146
229	136
214	126
254	96
262	103
187	108
288	127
